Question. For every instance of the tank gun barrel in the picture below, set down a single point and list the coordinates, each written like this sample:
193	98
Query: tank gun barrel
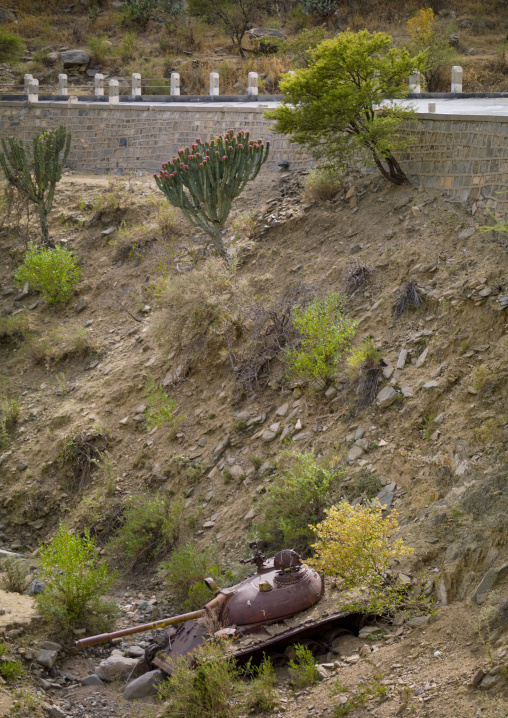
105	637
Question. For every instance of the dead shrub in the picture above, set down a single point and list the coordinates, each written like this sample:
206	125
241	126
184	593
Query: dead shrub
407	298
357	275
364	369
18	576
82	454
271	331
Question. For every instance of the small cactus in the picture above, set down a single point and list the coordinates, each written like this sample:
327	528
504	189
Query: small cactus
203	180
35	172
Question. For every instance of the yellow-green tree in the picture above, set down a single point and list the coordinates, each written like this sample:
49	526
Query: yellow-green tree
354	543
428	37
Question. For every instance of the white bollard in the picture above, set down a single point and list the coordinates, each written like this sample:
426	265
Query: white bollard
432	106
214	84
99	84
252	84
175	83
136	84
456	78
414	82
33	90
62	84
114	92
27	79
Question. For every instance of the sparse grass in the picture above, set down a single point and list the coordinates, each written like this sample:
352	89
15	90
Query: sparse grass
489	432
365	483
199	317
244	225
115	197
18	576
63	344
161	411
322	184
152	526
484	379
9	414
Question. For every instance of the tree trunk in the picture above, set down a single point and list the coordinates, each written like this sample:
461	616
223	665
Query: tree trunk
43	217
394	173
218	244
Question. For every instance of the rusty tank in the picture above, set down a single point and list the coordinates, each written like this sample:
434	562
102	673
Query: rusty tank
283	603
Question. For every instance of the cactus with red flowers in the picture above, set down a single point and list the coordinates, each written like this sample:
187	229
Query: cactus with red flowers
203	180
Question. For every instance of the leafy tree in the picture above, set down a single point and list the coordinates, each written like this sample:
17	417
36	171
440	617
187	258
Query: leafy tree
235	16
428	38
203	180
338	106
353	542
35	171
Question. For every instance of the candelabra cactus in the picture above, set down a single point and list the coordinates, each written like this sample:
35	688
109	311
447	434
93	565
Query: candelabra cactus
35	171
203	180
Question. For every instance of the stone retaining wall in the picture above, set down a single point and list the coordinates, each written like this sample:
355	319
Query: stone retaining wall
464	155
140	137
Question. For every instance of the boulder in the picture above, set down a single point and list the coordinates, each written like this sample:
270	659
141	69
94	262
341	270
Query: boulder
47	658
257	32
92	680
73	58
386	397
115	667
144	686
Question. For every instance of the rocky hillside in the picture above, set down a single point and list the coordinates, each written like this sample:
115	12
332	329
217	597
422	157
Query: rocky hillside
152	310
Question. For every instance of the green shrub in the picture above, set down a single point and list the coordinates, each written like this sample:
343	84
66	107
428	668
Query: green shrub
161	409
302	669
208	688
326	333
261	694
99	47
127	46
75	581
11	46
297	500
53	272
152	526
9	413
185	570
18	576
12	671
364	483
